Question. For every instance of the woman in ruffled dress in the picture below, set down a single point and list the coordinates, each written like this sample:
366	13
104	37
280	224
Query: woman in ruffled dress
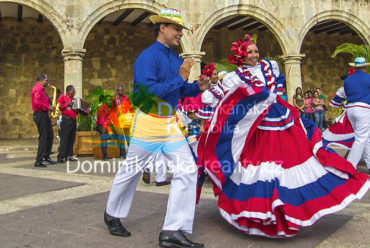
211	96
270	172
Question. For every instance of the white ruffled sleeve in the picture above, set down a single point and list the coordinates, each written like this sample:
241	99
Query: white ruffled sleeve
231	80
275	68
341	93
207	97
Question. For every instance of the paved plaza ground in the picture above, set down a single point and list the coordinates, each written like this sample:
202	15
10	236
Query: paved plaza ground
63	206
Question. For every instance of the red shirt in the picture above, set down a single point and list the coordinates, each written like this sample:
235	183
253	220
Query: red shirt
63	100
39	99
124	103
102	116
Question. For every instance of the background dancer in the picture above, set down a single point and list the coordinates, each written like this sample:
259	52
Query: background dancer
357	91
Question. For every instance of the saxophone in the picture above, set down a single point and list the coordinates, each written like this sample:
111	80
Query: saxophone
55	112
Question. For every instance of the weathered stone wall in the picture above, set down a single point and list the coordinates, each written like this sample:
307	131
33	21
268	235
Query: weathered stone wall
322	71
111	51
27	49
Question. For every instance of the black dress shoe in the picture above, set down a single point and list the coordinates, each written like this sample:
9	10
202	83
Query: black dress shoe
40	164
146	177
72	159
50	161
162	183
115	226
61	160
176	239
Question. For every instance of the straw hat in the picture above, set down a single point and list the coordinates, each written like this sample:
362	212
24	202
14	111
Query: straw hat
359	62
221	74
168	15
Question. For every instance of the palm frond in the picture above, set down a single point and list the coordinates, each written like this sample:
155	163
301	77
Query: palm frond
224	65
353	49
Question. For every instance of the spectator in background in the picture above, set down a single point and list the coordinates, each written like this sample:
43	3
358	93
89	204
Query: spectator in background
298	100
318	110
308	113
309	92
321	95
284	96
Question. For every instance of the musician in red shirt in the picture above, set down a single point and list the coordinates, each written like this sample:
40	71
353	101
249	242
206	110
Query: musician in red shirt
68	125
40	106
121	105
102	122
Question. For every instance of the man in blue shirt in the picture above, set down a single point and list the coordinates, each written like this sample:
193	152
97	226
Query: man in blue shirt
357	91
160	77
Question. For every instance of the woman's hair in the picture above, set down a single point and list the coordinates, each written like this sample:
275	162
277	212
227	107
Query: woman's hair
315	92
296	91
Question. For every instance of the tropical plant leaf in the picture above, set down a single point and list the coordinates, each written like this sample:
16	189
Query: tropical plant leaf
224	65
355	50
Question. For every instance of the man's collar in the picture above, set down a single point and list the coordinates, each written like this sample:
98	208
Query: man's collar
162	46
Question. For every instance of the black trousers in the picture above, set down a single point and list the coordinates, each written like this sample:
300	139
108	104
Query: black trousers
46	134
67	137
103	139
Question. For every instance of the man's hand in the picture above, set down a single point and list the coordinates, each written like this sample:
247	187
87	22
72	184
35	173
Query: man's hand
185	68
204	83
70	104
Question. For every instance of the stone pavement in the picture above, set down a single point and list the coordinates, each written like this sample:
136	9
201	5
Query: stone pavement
55	208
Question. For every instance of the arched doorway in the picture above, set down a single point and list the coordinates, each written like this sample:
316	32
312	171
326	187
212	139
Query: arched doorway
218	41
112	47
29	45
319	70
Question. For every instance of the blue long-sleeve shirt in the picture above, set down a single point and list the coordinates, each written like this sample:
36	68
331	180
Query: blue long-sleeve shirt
158	68
357	87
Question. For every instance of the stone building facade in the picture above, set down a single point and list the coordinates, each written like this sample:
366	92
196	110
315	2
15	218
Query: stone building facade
77	44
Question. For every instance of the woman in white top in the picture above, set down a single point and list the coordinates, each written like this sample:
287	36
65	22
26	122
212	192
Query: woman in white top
270	172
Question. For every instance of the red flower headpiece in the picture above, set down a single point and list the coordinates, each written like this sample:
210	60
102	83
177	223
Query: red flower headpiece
208	70
240	50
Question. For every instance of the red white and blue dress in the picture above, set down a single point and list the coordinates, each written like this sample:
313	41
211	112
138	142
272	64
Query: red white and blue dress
341	132
270	171
210	98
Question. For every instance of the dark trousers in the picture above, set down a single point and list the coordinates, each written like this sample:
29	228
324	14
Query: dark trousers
67	137
46	134
103	139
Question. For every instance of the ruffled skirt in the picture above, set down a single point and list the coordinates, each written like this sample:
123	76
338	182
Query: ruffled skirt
270	170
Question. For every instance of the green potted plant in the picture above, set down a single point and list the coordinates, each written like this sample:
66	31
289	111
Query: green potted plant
85	134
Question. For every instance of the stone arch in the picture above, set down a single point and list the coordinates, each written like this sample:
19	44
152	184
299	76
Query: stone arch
353	21
274	25
111	7
48	11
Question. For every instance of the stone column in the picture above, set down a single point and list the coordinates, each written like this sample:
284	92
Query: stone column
73	69
293	73
195	70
